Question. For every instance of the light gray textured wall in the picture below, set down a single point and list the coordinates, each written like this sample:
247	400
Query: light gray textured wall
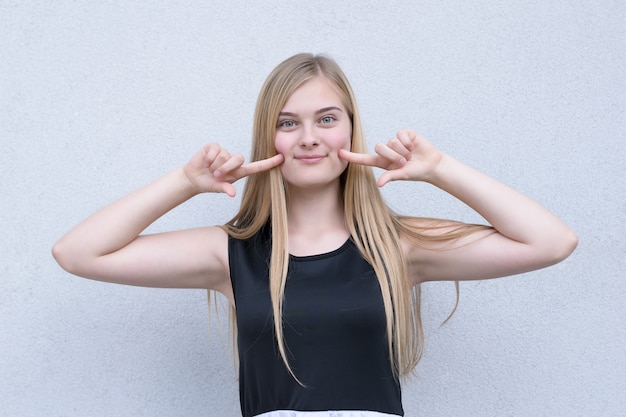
98	98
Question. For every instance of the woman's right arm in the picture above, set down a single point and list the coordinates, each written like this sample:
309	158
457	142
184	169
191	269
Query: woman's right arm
108	246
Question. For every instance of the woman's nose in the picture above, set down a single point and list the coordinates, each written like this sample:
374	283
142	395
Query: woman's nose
308	138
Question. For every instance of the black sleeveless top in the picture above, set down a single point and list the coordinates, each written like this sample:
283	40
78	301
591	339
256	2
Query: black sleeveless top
334	329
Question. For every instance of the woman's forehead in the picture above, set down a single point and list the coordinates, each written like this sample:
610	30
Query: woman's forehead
317	91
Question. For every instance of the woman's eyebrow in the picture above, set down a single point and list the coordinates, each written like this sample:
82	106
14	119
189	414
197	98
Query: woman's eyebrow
322	110
325	109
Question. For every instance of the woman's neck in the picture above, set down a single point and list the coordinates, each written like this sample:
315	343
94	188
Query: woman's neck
315	220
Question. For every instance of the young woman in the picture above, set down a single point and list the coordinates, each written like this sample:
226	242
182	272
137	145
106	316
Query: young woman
323	278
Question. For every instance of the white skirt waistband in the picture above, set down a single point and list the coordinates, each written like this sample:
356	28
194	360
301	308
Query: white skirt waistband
338	413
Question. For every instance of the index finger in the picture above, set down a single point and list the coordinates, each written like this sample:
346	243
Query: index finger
262	165
361	158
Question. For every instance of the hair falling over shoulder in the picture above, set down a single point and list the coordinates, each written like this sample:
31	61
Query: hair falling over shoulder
375	229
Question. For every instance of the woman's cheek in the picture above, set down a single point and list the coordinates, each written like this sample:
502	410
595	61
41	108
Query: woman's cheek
280	144
342	141
343	137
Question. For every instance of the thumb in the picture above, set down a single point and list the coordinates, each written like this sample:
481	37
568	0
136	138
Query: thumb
388	176
227	188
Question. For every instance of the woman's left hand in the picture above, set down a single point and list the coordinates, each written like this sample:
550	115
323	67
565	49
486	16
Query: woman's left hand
408	156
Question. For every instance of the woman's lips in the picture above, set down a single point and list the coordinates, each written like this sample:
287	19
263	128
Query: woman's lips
310	159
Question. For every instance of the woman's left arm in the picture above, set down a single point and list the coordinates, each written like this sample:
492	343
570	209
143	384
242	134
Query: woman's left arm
528	236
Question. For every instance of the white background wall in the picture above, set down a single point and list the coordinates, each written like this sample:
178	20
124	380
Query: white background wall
98	98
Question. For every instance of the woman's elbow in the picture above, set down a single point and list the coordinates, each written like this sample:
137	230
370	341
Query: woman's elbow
564	246
62	254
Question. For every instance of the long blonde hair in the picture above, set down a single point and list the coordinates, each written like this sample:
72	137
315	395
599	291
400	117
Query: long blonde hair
375	229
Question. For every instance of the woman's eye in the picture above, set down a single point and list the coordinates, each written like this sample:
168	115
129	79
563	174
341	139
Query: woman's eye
327	119
287	123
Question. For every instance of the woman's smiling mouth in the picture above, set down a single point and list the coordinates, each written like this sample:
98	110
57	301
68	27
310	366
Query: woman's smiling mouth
309	159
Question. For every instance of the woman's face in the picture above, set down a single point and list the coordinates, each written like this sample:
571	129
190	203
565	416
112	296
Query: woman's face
311	128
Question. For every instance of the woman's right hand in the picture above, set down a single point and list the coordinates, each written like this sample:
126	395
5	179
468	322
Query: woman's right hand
214	169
